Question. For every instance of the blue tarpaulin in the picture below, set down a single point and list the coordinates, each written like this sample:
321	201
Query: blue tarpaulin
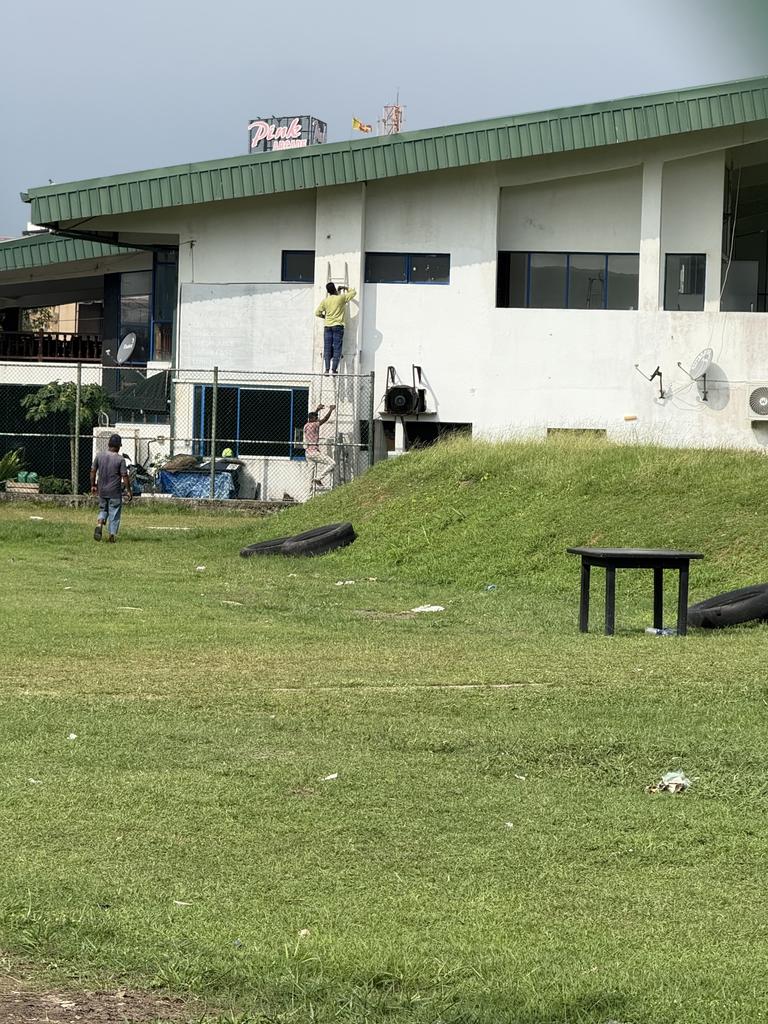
196	485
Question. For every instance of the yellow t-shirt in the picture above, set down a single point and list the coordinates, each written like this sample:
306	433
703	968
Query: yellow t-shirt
331	309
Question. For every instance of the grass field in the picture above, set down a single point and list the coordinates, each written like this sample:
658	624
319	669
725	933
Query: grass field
486	851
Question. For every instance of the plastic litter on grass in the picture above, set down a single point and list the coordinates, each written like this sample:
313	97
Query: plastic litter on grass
429	608
672	782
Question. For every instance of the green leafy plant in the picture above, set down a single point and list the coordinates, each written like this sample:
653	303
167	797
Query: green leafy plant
10	464
54	485
61	397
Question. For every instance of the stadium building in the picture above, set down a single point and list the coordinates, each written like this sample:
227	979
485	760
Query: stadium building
551	271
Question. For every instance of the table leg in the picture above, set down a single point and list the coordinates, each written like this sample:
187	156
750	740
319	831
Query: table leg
658	598
584	603
610	599
682	601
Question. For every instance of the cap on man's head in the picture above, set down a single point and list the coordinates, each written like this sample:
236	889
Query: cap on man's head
115	441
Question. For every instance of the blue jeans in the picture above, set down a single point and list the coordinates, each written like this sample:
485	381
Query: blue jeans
333	337
109	511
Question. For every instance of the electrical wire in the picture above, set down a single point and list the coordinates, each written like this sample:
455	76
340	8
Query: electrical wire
733	235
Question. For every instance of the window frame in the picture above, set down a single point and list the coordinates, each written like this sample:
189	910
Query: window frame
407	258
202	444
286	253
567	282
703	293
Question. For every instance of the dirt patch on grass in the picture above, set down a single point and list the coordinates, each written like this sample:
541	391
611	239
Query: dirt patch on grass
22	1007
19	1004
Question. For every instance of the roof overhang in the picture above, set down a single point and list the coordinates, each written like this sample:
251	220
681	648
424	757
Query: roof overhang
555	131
45	249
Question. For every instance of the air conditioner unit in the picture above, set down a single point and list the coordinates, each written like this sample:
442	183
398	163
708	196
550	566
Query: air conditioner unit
404	400
101	436
757	401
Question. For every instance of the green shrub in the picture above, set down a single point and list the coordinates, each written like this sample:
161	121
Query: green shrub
54	485
10	465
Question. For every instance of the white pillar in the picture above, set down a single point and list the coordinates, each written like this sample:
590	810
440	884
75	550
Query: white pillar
650	237
339	254
399	436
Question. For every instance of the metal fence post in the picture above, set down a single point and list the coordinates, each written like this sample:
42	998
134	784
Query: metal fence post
371	410
76	442
214	410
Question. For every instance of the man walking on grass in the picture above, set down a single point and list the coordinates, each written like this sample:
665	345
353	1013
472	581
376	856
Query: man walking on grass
316	458
109	479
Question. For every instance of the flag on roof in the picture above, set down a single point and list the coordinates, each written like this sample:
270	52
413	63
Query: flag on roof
360	127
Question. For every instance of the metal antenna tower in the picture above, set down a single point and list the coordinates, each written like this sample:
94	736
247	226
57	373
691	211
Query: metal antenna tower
392	117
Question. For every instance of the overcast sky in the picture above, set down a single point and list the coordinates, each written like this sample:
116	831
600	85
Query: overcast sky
91	88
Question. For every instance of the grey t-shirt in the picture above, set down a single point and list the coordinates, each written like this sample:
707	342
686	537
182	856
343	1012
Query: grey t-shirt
110	467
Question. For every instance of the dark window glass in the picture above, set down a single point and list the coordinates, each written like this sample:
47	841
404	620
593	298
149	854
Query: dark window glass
623	276
386	267
586	280
139	283
226	417
429	269
579	280
135	292
547	283
252	421
165	289
684	281
298	266
265	422
512	280
134	309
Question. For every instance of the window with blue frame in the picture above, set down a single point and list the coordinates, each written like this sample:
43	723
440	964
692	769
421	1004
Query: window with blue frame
567	280
407	268
148	306
252	421
164	288
298	265
135	307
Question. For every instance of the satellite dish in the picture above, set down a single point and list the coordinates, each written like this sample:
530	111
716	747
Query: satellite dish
127	345
701	363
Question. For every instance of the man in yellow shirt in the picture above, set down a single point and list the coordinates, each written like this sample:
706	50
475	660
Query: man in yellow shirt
332	310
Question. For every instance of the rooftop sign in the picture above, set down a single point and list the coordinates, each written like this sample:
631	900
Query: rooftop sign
266	134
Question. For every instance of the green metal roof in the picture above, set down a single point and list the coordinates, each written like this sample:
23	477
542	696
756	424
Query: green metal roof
507	138
44	249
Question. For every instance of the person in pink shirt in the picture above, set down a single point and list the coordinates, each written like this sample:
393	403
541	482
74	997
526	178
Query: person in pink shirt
315	457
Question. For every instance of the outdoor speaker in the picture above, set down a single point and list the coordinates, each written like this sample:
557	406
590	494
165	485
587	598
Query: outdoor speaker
402	400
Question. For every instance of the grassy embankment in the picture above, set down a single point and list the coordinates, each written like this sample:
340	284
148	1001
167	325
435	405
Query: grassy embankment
486	853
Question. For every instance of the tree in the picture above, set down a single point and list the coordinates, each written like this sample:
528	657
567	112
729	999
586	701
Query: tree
39	319
61	396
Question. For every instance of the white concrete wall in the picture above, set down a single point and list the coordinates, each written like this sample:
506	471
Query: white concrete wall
587	213
339	256
524	370
692	215
29	372
264	327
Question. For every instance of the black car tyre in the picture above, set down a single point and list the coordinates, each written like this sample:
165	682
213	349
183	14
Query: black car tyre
319	541
264	547
731	608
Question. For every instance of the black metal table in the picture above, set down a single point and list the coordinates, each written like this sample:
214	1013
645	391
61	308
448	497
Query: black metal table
612	559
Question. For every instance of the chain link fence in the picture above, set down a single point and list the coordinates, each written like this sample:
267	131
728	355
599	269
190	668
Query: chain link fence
202	433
